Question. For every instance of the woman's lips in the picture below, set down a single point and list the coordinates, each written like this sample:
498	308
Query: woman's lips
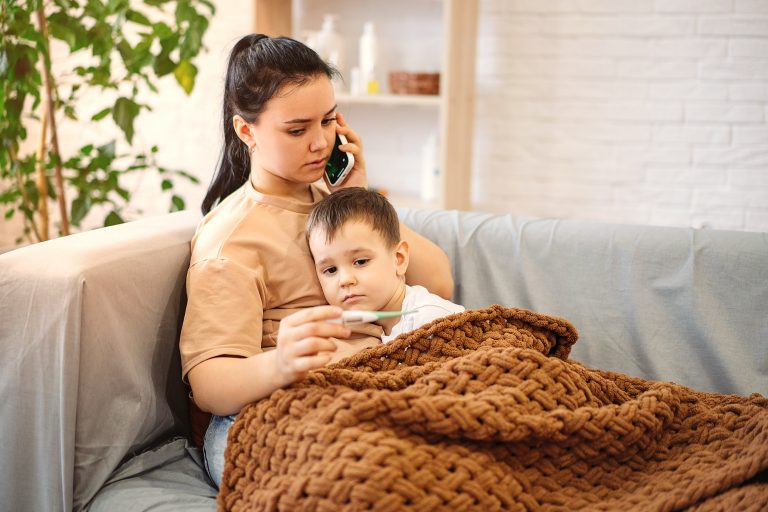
317	164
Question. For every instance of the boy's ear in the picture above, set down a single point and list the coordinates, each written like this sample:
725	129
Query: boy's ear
243	130
401	257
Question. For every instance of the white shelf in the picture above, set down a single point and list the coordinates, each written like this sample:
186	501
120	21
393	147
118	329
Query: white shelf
416	100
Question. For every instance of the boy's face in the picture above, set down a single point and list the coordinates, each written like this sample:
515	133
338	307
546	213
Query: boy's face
357	270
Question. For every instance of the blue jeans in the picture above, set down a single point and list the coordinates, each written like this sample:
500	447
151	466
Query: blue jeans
214	444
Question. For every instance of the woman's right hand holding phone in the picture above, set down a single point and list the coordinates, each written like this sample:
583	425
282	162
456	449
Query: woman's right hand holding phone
303	341
357	176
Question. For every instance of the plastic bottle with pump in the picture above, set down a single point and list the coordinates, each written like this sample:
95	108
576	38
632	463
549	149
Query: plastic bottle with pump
368	55
329	44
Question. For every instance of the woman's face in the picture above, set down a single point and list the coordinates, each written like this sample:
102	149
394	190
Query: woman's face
294	136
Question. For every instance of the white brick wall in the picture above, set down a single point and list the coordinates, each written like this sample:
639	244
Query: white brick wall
624	111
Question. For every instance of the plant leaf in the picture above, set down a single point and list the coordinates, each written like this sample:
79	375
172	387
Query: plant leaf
166	184
137	17
163	64
124	113
177	203
61	27
101	114
162	30
185	74
193	38
80	209
107	150
112	219
126	195
191	177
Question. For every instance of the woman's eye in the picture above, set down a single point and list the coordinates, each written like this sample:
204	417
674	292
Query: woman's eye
328	121
296	132
329	271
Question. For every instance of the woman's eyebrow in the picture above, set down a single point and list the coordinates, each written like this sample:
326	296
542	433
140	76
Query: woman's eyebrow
299	121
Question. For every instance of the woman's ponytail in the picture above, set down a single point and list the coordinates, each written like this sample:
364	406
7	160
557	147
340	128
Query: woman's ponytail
233	168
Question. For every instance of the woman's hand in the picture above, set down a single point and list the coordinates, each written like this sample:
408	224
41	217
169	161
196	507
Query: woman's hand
357	176
303	342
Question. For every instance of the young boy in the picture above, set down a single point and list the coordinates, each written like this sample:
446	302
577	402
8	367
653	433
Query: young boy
360	260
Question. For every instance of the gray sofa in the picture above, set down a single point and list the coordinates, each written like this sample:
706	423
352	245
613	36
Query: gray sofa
94	416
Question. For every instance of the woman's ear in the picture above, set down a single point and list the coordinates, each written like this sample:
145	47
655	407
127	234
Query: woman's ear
401	258
244	130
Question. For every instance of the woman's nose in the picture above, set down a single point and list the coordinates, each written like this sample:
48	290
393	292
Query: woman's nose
319	141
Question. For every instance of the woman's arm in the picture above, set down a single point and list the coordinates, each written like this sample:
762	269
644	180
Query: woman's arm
224	385
429	265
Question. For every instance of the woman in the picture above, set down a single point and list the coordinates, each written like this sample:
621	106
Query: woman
251	271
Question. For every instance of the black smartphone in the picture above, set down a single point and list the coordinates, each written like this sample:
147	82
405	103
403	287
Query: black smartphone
339	163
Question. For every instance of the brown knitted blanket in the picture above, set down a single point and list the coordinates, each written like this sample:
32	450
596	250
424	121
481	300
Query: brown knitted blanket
483	410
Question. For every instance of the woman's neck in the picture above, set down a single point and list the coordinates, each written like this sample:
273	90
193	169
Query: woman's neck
278	187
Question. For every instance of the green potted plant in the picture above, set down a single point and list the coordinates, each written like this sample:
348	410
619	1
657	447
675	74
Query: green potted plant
124	47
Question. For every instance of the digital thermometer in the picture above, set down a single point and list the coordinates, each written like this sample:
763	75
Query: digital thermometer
362	317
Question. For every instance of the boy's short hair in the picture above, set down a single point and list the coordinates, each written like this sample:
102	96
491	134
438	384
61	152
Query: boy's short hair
355	203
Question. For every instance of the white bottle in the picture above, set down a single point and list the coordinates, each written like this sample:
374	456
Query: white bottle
368	60
355	82
329	44
430	170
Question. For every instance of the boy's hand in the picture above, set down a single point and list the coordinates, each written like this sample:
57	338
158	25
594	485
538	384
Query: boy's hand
358	176
303	342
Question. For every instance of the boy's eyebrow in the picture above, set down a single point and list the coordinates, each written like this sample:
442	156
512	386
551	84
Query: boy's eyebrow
321	262
299	121
356	250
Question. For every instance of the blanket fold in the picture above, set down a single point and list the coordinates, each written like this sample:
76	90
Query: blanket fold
483	410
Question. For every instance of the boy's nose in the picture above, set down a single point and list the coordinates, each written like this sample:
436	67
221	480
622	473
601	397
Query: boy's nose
347	278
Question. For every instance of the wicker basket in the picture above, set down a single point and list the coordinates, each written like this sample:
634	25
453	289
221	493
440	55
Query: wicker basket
404	82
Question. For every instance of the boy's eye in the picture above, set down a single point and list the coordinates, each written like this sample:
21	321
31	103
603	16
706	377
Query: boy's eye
329	271
361	261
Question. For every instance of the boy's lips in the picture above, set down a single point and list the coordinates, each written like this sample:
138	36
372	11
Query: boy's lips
352	299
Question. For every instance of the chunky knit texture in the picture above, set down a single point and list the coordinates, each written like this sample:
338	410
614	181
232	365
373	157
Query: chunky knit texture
483	410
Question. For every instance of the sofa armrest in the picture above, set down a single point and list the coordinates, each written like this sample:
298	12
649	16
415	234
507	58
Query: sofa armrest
89	371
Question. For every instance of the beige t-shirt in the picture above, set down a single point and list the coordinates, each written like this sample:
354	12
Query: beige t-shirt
251	267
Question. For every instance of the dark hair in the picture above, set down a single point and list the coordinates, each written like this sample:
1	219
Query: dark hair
355	203
258	67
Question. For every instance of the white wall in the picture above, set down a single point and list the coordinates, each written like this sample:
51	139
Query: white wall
634	111
618	110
